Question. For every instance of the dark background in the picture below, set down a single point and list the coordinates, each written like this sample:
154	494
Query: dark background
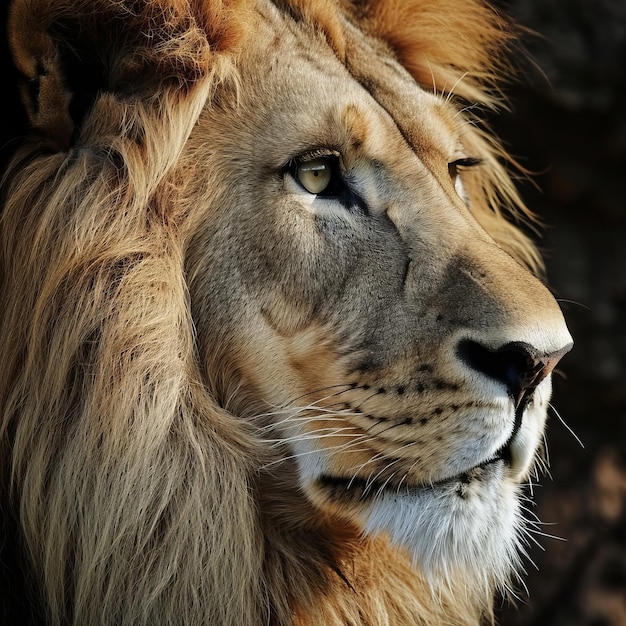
568	125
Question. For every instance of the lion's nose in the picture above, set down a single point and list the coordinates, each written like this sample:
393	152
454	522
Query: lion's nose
518	365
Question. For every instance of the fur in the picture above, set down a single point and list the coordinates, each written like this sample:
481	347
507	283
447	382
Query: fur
144	477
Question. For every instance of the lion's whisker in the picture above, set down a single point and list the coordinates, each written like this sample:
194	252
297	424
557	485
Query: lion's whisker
294	414
294	418
347	386
318	434
575	302
566	425
535	531
389	479
380	455
372	479
331	449
354	470
546	451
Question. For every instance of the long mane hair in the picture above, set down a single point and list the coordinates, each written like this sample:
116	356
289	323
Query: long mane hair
131	496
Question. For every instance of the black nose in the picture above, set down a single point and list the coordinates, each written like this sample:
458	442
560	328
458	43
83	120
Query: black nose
517	365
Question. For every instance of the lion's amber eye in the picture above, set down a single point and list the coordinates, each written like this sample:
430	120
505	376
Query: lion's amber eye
315	175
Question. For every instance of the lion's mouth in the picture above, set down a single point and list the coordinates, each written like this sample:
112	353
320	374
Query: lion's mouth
357	488
360	488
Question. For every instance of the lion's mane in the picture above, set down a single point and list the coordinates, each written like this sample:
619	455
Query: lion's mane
128	495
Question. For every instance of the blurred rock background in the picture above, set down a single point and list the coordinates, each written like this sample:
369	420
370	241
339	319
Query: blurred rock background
567	123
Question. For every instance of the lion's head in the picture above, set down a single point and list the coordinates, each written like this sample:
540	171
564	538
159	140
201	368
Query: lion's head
272	352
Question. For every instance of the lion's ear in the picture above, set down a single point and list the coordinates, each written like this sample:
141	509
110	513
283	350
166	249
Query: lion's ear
73	52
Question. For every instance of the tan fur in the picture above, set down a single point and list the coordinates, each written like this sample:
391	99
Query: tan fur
157	335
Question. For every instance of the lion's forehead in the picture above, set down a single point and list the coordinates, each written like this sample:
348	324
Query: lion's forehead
364	102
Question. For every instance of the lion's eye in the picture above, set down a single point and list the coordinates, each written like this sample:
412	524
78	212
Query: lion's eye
317	175
459	164
321	174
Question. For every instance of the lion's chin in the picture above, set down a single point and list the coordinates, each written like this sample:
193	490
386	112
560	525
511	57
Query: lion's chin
468	525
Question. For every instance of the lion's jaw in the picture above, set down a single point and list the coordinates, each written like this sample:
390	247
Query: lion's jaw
463	522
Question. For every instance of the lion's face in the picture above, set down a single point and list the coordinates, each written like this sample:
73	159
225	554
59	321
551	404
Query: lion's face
263	331
393	356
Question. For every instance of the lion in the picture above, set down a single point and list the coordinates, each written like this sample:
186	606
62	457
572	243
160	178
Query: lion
276	347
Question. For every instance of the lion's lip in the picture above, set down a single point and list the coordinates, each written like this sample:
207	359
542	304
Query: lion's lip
360	488
503	455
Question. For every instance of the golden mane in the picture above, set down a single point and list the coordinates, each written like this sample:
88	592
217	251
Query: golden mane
137	498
